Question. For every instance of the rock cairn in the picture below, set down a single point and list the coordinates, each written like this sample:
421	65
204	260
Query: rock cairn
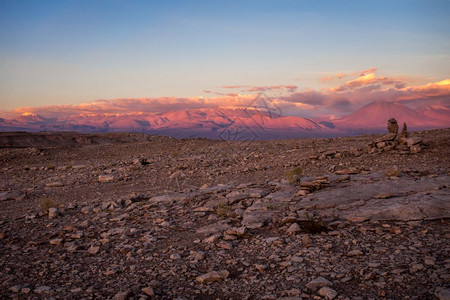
392	141
396	141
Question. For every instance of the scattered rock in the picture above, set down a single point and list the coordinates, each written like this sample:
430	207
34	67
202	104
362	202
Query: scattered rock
306	240
56	241
122	295
212	276
237	231
93	249
53	212
148	291
15	288
392	171
12	195
294	228
106	178
55	184
442	293
272	237
348	171
42	289
318	283
355	253
328	293
175	256
214	228
177	175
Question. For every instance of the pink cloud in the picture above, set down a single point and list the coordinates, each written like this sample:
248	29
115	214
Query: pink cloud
366	88
235	86
341	100
138	105
289	88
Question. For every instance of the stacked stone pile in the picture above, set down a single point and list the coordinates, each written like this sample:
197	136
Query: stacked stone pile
396	141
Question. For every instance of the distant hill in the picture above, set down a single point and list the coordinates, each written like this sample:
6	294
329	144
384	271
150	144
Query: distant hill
237	124
375	115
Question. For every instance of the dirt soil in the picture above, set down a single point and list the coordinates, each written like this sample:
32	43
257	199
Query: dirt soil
131	216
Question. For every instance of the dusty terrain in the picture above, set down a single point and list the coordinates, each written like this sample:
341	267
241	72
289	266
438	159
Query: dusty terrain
130	216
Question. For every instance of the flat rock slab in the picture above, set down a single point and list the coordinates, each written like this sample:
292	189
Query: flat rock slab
259	214
374	197
12	195
213	228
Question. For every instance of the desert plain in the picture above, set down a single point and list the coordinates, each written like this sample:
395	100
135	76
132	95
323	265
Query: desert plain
135	216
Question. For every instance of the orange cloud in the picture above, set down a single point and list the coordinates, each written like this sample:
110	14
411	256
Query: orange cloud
365	80
342	75
438	89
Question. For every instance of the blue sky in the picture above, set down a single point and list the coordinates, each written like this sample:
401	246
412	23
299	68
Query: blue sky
69	52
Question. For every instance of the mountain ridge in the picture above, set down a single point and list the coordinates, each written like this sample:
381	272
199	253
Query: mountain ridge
247	123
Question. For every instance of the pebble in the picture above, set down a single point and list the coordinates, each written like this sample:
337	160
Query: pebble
317	283
416	267
15	288
225	245
54	184
106	178
355	253
294	228
148	291
53	212
42	289
442	293
306	240
122	295
175	256
328	293
56	241
93	249
429	261
240	231
212	276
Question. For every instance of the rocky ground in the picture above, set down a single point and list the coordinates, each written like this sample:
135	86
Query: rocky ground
143	217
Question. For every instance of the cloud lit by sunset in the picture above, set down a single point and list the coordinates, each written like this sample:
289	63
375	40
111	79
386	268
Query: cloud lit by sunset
337	101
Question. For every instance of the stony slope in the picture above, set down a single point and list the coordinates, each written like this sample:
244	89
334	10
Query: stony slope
201	219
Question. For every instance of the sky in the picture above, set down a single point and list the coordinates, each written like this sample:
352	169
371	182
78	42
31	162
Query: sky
67	54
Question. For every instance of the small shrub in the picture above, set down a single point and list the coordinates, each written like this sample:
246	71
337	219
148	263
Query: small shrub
270	206
293	176
223	209
47	203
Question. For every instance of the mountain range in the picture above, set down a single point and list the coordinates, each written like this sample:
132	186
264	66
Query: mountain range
239	123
